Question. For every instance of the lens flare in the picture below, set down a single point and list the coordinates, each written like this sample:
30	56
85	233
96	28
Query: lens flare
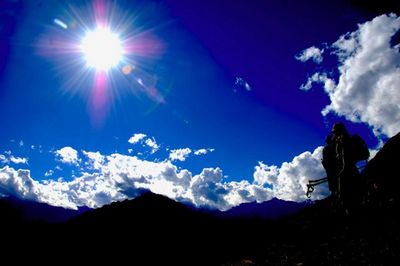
127	69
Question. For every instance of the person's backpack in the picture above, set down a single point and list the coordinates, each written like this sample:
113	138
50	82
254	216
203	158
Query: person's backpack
359	148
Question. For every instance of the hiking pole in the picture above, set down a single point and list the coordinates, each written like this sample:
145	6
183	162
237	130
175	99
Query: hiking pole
312	183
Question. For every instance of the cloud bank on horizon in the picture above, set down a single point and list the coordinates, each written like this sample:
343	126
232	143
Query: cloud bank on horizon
368	71
107	178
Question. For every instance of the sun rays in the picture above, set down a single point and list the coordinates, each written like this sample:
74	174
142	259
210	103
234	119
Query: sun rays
102	51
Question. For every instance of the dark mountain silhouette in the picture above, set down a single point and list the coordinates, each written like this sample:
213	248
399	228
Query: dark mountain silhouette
383	170
32	211
152	222
155	230
270	210
146	209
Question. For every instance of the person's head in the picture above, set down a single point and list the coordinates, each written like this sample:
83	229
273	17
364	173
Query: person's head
339	129
329	139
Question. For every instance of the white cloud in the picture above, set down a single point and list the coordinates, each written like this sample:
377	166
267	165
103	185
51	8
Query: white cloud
329	84
151	142
136	138
244	191
21	143
203	151
67	155
85	190
209	189
294	176
289	181
369	76
3	159
241	83
96	160
49	173
18	182
114	177
179	154
18	160
264	174
13	159
313	53
121	176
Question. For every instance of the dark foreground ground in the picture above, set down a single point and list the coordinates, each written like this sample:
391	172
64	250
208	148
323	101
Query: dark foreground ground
153	230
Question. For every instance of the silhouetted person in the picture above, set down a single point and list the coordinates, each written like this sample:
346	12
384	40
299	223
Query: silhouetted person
330	165
349	150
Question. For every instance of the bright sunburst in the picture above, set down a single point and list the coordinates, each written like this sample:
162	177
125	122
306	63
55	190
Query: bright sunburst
102	49
117	56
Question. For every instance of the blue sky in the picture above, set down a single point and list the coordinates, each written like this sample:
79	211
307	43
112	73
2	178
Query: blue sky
221	79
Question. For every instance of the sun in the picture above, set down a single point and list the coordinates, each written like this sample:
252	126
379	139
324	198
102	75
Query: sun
103	54
102	49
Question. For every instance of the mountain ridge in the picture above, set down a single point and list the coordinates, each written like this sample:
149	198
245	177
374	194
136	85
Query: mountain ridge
272	209
33	211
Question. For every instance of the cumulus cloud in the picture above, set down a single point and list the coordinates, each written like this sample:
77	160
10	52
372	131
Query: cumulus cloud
367	89
313	53
107	178
264	174
146	141
203	151
114	177
179	154
136	138
151	142
67	155
293	176
209	189
289	181
96	160
244	191
90	189
18	183
328	83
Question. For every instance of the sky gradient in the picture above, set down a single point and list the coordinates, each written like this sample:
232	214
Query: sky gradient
213	103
